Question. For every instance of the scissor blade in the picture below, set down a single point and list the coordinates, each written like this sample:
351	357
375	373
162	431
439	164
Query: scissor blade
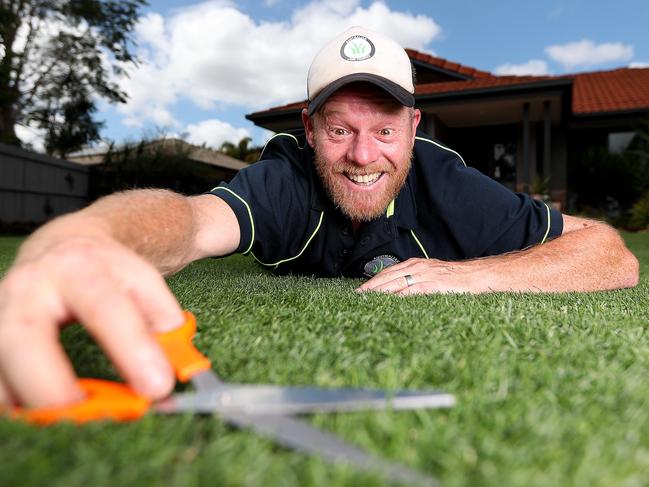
277	400
301	436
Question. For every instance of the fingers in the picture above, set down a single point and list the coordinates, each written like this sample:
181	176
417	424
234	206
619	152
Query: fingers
117	296
34	370
41	377
426	276
6	398
393	285
121	329
152	296
417	276
393	279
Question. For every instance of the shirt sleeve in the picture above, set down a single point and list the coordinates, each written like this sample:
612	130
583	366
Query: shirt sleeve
482	216
496	219
267	199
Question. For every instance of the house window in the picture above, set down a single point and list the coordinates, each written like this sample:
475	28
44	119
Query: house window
619	141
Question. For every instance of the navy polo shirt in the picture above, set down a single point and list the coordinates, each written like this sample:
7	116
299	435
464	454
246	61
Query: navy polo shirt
445	211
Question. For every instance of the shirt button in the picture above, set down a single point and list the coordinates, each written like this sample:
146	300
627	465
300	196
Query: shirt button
344	252
344	232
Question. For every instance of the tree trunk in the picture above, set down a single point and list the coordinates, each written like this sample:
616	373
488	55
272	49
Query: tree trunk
8	91
8	126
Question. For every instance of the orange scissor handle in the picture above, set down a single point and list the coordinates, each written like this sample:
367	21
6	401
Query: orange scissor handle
185	359
104	399
112	400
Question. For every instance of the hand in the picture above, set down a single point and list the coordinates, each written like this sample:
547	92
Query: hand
429	276
119	297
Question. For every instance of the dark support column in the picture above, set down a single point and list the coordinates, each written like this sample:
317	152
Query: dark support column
547	145
526	147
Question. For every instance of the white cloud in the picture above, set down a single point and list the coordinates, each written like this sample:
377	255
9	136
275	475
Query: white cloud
536	67
214	55
586	53
31	136
150	32
214	132
639	64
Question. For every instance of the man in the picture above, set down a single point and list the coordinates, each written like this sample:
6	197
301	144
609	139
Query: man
365	196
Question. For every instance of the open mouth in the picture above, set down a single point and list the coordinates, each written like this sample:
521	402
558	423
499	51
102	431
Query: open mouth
364	179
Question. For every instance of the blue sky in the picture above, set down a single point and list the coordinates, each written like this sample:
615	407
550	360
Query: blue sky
208	64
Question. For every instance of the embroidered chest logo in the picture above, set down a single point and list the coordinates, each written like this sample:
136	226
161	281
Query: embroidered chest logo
378	263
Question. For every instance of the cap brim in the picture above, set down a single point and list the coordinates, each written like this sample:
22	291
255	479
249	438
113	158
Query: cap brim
401	95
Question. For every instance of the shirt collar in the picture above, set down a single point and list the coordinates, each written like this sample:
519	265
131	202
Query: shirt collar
405	207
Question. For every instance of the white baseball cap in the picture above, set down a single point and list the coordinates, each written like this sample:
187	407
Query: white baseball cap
360	55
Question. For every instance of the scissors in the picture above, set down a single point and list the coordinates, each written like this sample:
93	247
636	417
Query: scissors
265	409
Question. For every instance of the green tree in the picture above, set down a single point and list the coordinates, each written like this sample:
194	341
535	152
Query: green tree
154	163
242	150
56	58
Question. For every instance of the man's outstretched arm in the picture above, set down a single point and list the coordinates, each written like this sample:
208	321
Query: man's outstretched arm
102	266
588	256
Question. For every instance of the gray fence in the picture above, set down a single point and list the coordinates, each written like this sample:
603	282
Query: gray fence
35	188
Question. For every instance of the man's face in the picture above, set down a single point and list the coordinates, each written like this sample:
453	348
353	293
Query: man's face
363	142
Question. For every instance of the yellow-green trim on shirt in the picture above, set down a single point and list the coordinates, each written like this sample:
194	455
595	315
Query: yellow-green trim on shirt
390	210
301	251
252	223
441	147
419	243
547	231
279	135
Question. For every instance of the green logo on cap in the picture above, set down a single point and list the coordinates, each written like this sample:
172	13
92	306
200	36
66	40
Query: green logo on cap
357	48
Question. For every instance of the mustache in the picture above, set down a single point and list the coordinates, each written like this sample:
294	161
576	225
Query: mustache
354	170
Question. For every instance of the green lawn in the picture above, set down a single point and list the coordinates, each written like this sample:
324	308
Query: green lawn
551	389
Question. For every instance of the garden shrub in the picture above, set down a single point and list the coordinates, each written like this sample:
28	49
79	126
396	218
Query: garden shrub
639	214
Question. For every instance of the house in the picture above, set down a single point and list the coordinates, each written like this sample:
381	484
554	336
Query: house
226	165
517	129
164	163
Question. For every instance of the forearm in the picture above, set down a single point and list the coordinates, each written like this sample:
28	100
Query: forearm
157	224
588	259
588	256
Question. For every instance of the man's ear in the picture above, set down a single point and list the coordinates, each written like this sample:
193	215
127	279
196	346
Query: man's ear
416	118
308	126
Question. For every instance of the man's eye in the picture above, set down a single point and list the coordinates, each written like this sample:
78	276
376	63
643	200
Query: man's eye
386	132
338	131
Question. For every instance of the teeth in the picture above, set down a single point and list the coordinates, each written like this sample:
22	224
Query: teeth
364	179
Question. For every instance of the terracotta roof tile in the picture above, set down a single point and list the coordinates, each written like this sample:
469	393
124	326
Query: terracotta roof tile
606	91
597	92
298	105
445	64
452	66
417	55
478	84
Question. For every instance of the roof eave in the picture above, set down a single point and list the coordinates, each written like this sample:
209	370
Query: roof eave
431	67
516	88
273	114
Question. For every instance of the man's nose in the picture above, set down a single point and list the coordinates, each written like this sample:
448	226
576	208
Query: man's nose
363	150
